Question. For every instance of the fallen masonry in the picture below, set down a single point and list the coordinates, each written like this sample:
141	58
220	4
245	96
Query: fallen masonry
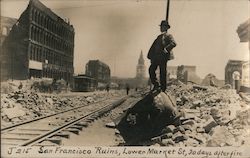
28	105
201	116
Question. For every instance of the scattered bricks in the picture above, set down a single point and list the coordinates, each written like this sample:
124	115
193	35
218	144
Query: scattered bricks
186	117
180	129
209	125
177	137
200	139
169	129
197	136
188	132
189	122
198	102
187	127
156	139
167	142
184	98
167	135
178	100
198	120
191	142
200	130
110	125
191	113
207	100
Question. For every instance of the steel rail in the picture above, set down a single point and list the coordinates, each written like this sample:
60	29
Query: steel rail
58	129
43	117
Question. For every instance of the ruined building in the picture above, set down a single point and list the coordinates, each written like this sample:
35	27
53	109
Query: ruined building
244	34
233	73
40	44
187	73
98	70
172	72
5	27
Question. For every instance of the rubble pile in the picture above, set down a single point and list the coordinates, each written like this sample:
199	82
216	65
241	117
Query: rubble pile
44	85
19	106
209	117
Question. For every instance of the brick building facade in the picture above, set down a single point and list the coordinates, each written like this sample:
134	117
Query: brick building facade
40	44
98	70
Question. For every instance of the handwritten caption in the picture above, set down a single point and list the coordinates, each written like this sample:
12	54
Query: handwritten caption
167	152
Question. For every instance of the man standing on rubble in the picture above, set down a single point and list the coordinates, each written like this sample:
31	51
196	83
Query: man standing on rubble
159	54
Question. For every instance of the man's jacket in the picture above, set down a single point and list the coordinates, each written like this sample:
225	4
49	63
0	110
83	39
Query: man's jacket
161	47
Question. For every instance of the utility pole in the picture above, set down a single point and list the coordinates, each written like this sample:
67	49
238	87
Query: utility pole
167	10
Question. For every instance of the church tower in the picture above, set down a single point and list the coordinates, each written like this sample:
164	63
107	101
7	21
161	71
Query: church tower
140	69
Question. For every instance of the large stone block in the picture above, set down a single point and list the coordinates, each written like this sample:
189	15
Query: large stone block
150	116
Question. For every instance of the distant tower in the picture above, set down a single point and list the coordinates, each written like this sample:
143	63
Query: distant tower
140	69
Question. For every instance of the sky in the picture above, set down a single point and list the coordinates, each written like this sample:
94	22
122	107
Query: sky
115	31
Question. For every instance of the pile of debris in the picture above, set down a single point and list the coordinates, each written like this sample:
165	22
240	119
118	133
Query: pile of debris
210	117
19	106
44	85
207	116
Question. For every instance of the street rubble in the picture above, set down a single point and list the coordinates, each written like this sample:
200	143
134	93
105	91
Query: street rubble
210	116
20	105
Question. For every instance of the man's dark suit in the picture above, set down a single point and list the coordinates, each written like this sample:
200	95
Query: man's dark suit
159	58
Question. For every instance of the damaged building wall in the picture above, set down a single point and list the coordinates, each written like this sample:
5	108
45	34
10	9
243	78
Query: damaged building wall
16	48
243	31
233	73
6	26
187	73
41	44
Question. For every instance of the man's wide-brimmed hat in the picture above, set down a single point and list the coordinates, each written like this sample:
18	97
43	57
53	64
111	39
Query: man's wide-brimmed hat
164	23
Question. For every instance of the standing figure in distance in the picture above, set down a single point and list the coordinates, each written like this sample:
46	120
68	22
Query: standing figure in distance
127	88
159	54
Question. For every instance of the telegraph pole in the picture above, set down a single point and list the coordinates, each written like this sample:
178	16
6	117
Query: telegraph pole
167	11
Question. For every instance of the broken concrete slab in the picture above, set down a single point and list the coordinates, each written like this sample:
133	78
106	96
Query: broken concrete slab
220	136
14	112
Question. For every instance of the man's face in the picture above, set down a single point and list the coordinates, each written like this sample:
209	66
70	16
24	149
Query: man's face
164	28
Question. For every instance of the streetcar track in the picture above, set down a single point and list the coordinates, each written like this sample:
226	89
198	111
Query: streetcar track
32	136
43	117
50	132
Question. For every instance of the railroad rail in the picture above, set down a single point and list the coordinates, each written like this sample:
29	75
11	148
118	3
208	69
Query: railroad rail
47	116
49	128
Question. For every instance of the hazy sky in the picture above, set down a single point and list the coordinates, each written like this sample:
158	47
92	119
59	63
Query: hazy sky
115	31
